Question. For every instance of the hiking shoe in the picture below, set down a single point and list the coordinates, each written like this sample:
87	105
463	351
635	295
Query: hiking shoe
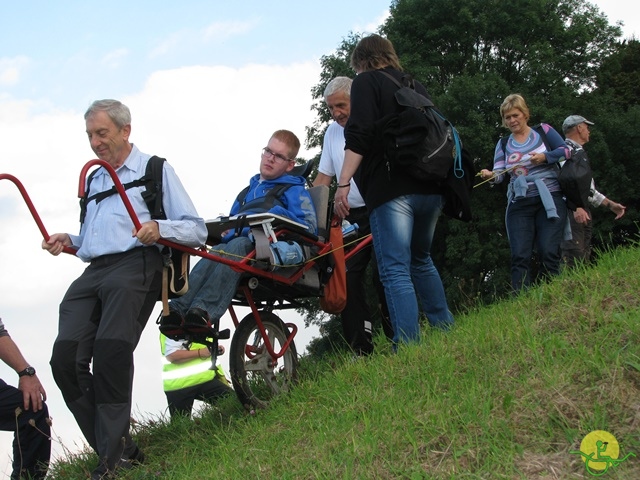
197	321
171	325
137	457
102	472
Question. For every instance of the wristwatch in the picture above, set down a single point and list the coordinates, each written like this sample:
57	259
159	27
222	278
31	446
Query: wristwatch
30	371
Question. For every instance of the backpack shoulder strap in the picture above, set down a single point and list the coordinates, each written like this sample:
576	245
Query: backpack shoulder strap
85	199
152	195
407	80
265	203
391	77
538	128
277	192
241	196
503	143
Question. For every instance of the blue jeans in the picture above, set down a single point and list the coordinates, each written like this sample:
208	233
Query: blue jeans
528	225
212	285
402	231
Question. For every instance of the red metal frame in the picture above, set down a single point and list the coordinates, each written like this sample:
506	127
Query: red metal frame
238	265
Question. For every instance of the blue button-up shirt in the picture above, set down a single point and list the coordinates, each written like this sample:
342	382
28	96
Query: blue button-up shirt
107	226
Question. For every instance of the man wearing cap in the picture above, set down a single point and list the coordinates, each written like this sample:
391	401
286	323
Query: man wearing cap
576	131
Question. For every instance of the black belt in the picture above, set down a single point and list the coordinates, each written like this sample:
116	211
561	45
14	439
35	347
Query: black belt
112	258
357	211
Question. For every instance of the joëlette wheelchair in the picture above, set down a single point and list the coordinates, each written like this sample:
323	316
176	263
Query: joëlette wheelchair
263	359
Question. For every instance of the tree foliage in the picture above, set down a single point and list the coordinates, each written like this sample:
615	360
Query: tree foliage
564	57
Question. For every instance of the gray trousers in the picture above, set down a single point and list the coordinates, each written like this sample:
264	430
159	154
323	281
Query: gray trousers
102	316
578	249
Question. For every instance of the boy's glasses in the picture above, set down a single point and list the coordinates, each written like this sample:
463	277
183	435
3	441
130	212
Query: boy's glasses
267	153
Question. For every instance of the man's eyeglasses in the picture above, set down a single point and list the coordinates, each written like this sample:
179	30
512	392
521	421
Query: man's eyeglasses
267	153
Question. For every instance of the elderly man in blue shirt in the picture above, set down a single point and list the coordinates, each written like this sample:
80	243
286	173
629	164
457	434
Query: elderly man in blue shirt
104	311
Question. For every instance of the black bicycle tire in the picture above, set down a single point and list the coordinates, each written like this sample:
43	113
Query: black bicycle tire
248	328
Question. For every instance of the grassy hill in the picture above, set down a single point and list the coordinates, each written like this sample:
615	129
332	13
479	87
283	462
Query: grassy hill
510	393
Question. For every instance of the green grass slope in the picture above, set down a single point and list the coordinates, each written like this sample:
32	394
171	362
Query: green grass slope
510	393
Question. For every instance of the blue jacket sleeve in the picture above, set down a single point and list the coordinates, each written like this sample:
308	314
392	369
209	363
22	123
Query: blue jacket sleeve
559	149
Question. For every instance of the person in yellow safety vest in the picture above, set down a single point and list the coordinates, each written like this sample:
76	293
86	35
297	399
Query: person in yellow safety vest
187	375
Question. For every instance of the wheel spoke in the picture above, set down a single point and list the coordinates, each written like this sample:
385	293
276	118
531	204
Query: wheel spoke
256	376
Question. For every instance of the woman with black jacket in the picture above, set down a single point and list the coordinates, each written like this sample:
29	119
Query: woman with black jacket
403	210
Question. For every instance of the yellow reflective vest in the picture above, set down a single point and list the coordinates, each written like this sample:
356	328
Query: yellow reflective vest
176	376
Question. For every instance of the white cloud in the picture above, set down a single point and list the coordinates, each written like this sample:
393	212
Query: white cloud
12	110
372	27
10	70
114	58
187	39
223	30
622	10
168	44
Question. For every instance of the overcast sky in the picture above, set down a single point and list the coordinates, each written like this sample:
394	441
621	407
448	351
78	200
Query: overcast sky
207	83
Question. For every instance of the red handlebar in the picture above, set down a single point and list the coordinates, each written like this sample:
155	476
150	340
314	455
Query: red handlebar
32	209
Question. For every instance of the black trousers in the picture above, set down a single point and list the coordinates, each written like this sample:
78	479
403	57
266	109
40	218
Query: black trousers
181	401
102	316
31	444
357	317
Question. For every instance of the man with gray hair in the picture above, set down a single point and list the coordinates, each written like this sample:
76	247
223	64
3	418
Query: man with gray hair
356	317
578	249
104	311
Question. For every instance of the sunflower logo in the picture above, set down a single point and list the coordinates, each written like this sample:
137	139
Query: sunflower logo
521	171
514	158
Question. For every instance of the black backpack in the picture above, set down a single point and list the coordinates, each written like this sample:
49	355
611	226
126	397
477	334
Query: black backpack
575	178
176	262
419	139
152	181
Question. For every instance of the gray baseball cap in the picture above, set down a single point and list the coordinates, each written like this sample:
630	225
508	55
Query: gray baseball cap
573	120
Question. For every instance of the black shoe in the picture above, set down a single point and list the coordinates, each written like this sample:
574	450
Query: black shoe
102	472
197	321
171	325
137	457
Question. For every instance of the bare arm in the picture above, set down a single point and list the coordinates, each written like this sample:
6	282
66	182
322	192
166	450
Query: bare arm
616	208
181	356
322	179
351	163
32	391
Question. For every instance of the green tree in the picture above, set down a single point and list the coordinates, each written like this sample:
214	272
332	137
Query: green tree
614	147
